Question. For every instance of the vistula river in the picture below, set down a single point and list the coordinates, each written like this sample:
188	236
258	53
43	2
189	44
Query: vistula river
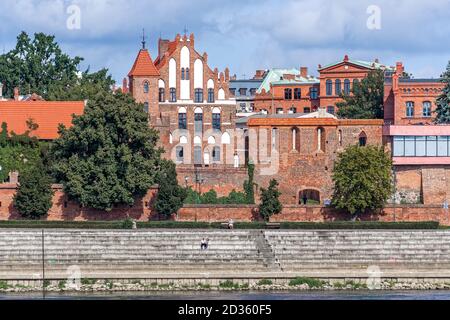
255	295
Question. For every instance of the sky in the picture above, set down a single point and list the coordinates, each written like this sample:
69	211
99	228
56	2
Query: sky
243	35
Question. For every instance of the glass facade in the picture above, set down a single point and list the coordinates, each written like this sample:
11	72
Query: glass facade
421	146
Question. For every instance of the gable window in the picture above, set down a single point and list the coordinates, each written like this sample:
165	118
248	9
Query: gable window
288	94
297	93
427	109
161	95
146	87
313	93
410	109
173	95
182	74
329	87
211	95
198	95
338	87
346	87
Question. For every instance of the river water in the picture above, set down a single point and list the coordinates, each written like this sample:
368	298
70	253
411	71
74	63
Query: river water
257	295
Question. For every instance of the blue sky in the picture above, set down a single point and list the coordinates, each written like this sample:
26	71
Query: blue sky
243	35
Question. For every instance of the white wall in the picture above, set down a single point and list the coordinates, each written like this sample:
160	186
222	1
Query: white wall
185	85
198	74
172	73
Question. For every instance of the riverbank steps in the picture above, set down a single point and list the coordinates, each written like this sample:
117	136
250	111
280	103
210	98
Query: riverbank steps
243	256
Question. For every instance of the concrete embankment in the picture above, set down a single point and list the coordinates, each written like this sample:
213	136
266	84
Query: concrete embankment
105	260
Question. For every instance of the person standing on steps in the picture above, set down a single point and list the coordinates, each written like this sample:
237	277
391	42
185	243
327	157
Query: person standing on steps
231	224
203	244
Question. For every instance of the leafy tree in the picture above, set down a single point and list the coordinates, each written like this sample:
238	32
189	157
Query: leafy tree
443	101
109	156
270	203
171	195
249	184
34	195
39	66
362	179
366	100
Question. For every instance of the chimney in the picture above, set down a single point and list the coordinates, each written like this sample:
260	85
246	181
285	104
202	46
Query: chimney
16	94
346	58
163	46
395	82
304	72
399	69
259	74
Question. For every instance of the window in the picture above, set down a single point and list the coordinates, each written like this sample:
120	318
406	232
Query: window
307	110
295	139
410	109
292	110
252	91
288	94
146	87
180	154
346	87
226	138
182	74
338	89
198	95
161	95
314	93
427	109
340	137
421	146
211	95
216	121
279	110
243	91
182	121
329	87
187	74
198	122
355	83
173	95
216	154
362	139
243	106
297	93
233	91
321	139
146	107
330	109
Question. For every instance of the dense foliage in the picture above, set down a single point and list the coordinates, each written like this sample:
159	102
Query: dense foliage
365	100
34	195
362	179
109	156
39	66
270	203
210	197
443	101
171	195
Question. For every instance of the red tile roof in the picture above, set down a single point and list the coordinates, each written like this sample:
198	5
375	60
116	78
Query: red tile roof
47	114
143	65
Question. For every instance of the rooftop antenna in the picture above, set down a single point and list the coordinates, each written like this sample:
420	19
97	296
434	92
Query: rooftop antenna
143	38
185	30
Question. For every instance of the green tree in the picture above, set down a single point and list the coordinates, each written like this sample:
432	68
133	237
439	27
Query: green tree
171	195
34	195
39	66
366	100
362	179
249	184
109	157
443	101
270	203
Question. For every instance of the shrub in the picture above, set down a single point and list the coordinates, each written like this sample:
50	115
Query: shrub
228	285
265	282
311	282
270	203
127	223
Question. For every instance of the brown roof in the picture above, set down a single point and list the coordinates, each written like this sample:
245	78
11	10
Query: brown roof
143	65
47	114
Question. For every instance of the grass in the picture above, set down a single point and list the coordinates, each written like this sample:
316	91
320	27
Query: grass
62	284
311	282
87	281
4	285
265	282
217	225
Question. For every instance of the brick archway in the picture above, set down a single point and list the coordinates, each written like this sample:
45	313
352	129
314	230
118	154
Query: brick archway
312	196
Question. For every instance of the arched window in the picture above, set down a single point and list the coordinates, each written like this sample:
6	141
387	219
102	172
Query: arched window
216	121
274	138
182	119
206	157
161	95
321	139
211	140
410	109
226	138
182	74
187	74
211	95
288	94
338	87
198	96
347	87
170	138
183	140
216	154
198	120
362	139
340	137
173	95
297	94
221	94
146	87
295	132
329	87
427	109
197	140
